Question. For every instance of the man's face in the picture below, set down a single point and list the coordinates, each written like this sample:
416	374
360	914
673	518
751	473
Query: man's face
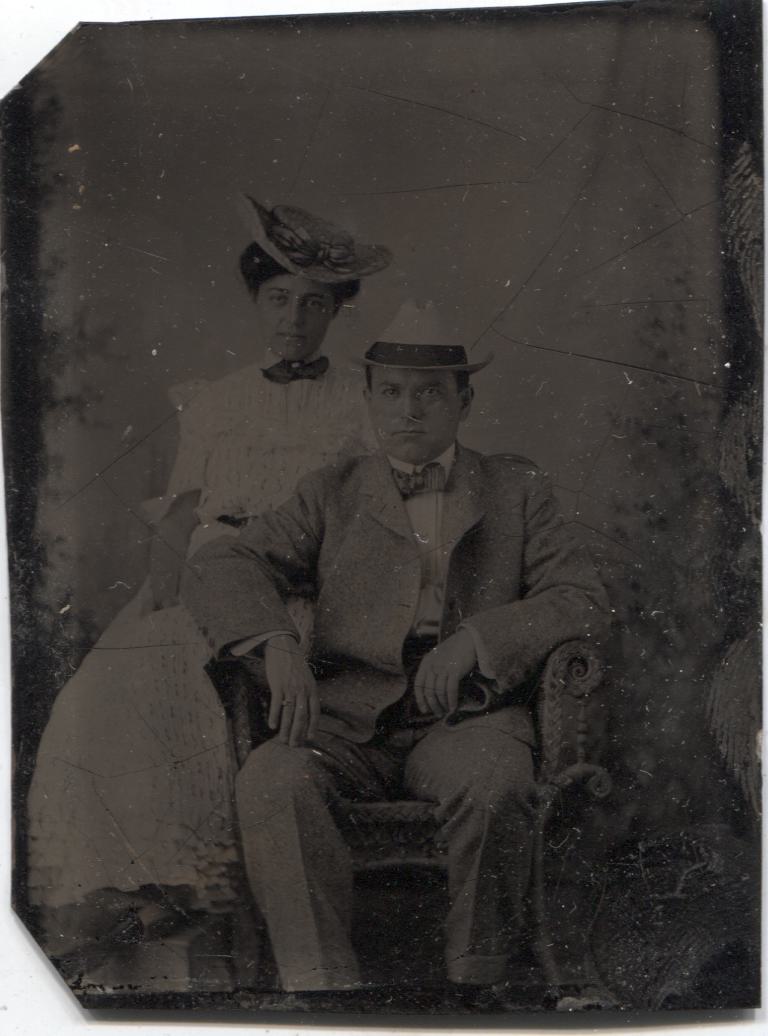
293	314
415	414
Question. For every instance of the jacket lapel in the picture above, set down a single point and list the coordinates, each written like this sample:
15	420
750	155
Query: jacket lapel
463	508
384	501
463	505
463	501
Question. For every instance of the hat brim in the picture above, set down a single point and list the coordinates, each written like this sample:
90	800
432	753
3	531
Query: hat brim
470	368
362	261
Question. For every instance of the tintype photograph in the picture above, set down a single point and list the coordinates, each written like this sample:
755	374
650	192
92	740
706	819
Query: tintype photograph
382	421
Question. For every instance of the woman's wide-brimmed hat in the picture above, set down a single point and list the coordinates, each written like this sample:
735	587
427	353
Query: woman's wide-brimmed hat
418	339
312	247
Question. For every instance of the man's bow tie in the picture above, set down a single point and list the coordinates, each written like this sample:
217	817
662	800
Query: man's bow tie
431	479
296	370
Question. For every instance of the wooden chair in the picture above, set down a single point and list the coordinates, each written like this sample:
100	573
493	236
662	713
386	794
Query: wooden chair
570	716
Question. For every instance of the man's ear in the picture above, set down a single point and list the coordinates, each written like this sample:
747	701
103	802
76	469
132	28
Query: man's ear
467	395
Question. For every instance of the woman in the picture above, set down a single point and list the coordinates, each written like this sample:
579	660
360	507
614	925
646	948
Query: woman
130	806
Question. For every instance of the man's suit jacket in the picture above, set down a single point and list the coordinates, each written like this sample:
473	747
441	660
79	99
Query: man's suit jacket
516	575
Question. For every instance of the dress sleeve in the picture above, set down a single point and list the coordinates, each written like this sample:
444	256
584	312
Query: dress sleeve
353	429
192	402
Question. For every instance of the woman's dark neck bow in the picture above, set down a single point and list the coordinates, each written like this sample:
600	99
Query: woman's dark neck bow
296	370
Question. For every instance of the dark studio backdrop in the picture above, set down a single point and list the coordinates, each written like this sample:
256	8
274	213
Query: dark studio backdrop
579	188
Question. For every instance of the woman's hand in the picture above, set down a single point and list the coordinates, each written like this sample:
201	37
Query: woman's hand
169	549
436	687
294	706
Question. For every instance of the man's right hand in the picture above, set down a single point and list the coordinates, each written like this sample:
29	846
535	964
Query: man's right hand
294	707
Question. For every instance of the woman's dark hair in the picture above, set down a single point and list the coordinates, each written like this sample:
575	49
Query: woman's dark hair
258	267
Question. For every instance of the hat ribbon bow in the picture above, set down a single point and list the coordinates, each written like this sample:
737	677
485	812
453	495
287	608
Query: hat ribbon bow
304	250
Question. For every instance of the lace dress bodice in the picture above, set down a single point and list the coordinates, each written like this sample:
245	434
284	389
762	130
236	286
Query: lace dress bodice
246	441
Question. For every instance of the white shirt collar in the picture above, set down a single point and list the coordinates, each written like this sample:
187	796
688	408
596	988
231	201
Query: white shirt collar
445	459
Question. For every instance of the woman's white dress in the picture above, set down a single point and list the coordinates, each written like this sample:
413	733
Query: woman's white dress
133	781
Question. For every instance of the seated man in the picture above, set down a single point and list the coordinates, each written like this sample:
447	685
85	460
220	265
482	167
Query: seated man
443	579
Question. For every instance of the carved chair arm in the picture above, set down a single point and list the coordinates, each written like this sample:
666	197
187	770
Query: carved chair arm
571	719
568	707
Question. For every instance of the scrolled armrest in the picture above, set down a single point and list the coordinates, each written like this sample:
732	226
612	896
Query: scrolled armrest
571	718
595	779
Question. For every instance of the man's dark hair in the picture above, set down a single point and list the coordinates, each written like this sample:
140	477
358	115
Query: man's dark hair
258	267
462	379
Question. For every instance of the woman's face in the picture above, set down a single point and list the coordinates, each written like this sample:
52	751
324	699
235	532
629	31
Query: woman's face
293	314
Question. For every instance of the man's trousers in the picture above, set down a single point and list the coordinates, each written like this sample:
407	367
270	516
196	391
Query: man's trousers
481	778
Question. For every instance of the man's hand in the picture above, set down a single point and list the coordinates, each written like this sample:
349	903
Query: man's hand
294	706
436	687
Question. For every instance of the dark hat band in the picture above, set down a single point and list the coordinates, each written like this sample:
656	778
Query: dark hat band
396	354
